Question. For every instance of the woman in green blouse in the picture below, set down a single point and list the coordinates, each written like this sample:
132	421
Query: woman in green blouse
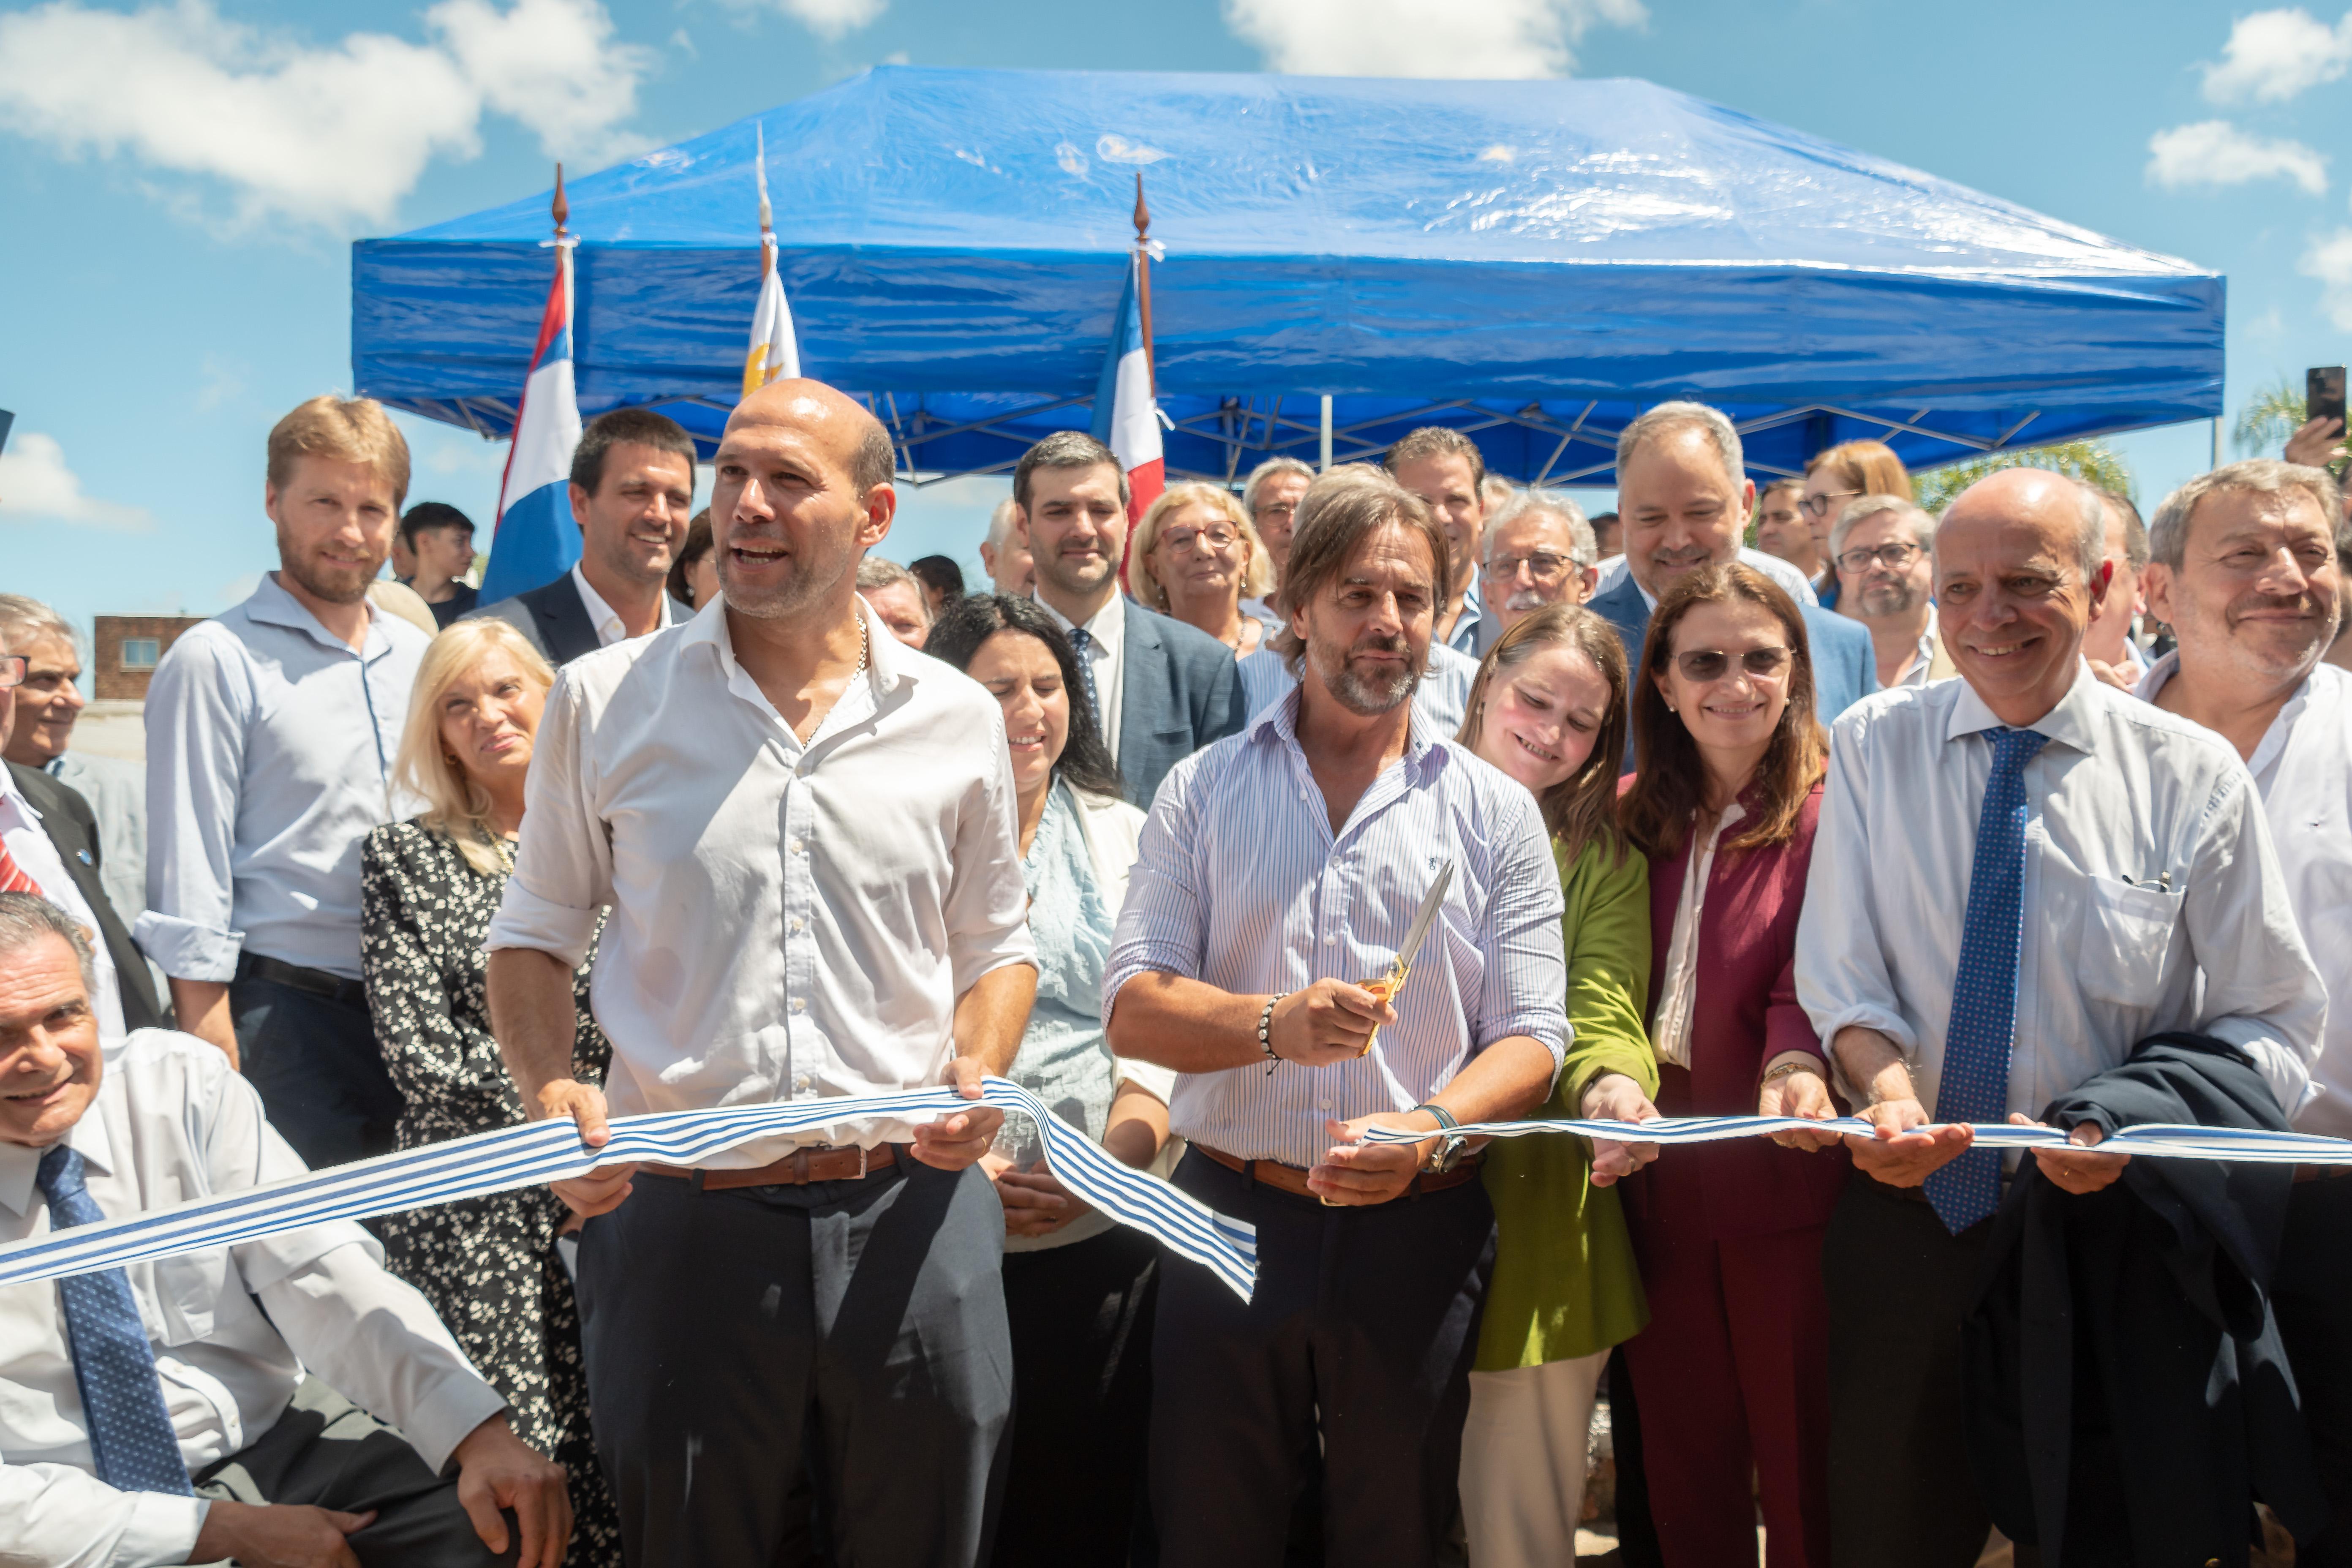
1548	708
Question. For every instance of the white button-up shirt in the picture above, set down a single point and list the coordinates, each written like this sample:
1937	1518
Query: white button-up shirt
2303	769
30	845
788	921
1107	656
1241	883
269	752
233	1328
2153	899
1441	698
610	627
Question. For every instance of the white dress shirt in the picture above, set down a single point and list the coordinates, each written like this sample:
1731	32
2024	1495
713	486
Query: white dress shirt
233	1328
1923	659
2153	899
610	627
1800	586
2303	769
788	921
1107	653
29	844
1241	883
1670	1033
269	752
1442	697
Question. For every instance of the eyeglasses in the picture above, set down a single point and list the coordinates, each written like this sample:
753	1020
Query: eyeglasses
1277	511
1542	565
1894	557
12	669
1819	506
1216	536
1704	665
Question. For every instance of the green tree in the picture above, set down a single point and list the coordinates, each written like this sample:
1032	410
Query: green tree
2275	412
2092	462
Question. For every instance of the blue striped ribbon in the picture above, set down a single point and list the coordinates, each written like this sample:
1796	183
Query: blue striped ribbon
533	1153
2248	1145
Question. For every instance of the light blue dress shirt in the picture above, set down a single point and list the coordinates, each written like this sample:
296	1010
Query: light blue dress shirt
270	753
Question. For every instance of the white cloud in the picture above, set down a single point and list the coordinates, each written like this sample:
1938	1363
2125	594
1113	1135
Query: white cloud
2216	152
1486	38
2273	55
36	483
2329	259
333	134
828	19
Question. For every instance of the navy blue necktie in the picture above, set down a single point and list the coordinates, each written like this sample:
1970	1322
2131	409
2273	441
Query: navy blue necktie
1975	1085
131	1438
1081	641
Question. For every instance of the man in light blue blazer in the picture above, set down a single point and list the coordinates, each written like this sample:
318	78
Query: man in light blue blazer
1685	496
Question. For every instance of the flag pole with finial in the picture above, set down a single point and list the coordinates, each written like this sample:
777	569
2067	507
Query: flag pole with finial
1143	279
561	209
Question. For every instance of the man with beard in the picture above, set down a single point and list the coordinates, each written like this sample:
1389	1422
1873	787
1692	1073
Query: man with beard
1278	875
1884	549
803	831
1539	551
2244	566
272	731
1161	690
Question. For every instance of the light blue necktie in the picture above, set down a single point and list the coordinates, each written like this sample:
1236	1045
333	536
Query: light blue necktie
1082	642
1975	1085
131	1438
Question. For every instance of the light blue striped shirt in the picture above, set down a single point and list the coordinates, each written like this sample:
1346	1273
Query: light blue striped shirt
1241	883
1442	697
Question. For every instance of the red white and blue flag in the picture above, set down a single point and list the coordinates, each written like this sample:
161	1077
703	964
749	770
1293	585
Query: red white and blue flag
535	541
1126	420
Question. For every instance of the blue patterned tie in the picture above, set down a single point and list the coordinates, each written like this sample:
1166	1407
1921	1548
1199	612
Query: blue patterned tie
1975	1085
1083	642
131	1438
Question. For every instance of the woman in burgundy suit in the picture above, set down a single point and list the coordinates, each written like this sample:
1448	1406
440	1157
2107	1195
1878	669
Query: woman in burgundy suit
1730	1374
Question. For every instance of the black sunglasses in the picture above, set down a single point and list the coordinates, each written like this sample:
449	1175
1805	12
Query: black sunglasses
1703	665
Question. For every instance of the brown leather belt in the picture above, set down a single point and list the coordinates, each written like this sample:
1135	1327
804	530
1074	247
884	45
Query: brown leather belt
2321	1172
1291	1179
797	1169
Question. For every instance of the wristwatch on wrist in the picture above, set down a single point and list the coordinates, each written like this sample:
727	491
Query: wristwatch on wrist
1449	1143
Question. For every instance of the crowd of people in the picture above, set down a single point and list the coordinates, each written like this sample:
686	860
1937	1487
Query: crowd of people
2026	812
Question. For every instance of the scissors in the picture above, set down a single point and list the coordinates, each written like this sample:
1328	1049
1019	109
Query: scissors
1387	986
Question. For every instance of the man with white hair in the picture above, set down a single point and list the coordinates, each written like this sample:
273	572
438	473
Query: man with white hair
1883	548
47	703
1271	498
1005	553
1539	551
2242	566
2020	876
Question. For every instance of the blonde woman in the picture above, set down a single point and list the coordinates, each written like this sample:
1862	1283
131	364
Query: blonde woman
1197	557
428	886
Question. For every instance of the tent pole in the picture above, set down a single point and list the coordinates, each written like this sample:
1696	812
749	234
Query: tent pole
1326	435
2217	441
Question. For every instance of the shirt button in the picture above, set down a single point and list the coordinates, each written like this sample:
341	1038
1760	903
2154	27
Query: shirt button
800	1004
801	1083
794	924
1323	1105
1331	941
793	845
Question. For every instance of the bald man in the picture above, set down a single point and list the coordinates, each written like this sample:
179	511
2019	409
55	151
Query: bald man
736	789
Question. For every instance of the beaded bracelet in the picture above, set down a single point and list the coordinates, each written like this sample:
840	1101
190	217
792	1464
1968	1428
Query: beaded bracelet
1266	1032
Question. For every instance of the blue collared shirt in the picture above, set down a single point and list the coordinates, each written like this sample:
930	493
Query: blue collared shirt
269	752
1241	883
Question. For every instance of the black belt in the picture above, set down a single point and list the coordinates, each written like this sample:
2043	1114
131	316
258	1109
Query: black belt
294	976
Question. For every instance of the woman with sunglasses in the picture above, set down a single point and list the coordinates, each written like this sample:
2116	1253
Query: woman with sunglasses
1730	1376
1833	477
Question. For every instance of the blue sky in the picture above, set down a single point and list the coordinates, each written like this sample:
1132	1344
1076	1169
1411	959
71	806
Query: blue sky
179	184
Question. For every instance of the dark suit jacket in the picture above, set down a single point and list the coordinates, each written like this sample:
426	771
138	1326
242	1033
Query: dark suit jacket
1845	667
72	827
555	620
1180	692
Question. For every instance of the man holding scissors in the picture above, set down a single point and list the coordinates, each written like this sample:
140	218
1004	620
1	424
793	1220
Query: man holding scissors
1339	918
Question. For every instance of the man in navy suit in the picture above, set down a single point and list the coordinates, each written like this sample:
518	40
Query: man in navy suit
1161	690
633	496
1685	496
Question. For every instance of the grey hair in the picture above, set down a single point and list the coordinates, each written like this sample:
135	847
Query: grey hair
1272	469
27	917
2167	534
21	617
1001	522
877	572
2090	518
1863	508
1583	547
1668	416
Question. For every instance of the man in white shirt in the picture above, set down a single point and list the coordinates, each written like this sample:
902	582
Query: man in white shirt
1883	548
804	834
159	1414
2243	567
2020	875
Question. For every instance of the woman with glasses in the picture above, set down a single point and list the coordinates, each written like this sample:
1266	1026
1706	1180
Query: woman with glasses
1548	709
1197	557
1730	1376
1833	477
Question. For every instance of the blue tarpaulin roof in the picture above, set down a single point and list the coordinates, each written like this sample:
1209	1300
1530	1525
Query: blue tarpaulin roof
1535	261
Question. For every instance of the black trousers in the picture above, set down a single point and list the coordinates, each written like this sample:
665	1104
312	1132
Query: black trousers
1362	1331
782	1372
318	1069
1901	1488
1081	1319
2312	1294
325	1452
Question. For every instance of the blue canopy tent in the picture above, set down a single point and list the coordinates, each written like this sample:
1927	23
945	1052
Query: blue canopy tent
1534	262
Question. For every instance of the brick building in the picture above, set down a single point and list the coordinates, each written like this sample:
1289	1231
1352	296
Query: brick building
128	648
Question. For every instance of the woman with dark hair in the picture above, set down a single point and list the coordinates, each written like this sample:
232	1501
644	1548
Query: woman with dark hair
694	570
1078	1289
1731	1374
1548	709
